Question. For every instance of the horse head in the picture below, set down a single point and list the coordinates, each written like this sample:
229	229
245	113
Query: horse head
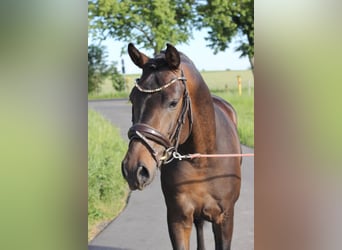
161	115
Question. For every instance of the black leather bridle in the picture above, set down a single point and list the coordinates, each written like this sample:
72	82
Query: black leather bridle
146	133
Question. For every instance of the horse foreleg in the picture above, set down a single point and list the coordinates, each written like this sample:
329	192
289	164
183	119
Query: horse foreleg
199	232
179	231
223	231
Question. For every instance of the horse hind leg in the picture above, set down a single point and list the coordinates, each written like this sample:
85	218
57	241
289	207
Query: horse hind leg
199	233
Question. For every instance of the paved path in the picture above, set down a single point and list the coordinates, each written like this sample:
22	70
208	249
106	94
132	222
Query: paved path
142	225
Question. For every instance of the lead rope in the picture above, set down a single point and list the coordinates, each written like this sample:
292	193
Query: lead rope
180	157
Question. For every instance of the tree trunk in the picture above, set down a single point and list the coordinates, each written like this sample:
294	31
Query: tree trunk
251	61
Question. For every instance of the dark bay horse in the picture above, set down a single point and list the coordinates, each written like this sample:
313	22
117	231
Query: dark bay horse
174	113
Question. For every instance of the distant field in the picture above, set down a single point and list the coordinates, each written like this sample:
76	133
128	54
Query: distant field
219	80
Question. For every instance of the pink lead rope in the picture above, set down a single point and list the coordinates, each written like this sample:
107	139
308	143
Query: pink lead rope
198	155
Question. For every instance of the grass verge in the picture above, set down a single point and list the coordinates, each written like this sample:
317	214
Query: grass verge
244	106
107	190
111	95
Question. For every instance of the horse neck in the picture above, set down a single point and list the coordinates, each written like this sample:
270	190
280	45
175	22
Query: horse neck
203	134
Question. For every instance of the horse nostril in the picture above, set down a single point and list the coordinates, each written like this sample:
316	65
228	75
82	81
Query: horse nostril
142	174
124	170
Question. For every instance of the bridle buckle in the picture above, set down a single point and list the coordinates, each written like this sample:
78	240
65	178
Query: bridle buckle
168	155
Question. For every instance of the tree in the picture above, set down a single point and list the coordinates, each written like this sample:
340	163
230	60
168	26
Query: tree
226	19
149	24
98	70
118	80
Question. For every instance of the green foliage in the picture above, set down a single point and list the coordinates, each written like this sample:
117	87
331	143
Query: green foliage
151	24
99	71
147	23
107	190
225	20
118	80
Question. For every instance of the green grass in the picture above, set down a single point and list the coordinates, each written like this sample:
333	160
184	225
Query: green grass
111	95
107	190
108	92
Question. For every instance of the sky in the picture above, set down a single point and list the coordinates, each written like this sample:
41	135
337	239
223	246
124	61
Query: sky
196	49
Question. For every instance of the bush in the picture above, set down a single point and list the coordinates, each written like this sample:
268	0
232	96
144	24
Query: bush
117	79
98	70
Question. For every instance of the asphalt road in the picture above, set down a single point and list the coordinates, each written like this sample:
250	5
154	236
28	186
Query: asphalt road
142	225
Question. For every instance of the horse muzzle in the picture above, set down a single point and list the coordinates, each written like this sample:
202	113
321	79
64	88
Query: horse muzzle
138	175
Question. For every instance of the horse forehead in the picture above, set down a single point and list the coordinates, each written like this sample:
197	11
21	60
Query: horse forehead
151	79
156	63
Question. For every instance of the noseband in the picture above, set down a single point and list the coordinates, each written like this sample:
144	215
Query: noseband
146	133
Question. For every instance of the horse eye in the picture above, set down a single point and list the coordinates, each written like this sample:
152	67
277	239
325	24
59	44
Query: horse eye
173	104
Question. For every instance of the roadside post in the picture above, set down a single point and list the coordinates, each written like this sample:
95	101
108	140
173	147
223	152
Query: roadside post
239	84
123	72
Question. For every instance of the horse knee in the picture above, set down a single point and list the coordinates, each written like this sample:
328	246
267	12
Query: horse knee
213	212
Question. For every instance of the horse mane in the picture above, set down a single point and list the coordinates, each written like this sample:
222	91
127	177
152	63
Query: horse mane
186	59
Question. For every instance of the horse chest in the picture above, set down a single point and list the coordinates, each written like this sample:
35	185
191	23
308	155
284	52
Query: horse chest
206	206
204	195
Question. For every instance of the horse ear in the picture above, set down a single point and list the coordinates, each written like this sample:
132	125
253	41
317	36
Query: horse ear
172	56
137	57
